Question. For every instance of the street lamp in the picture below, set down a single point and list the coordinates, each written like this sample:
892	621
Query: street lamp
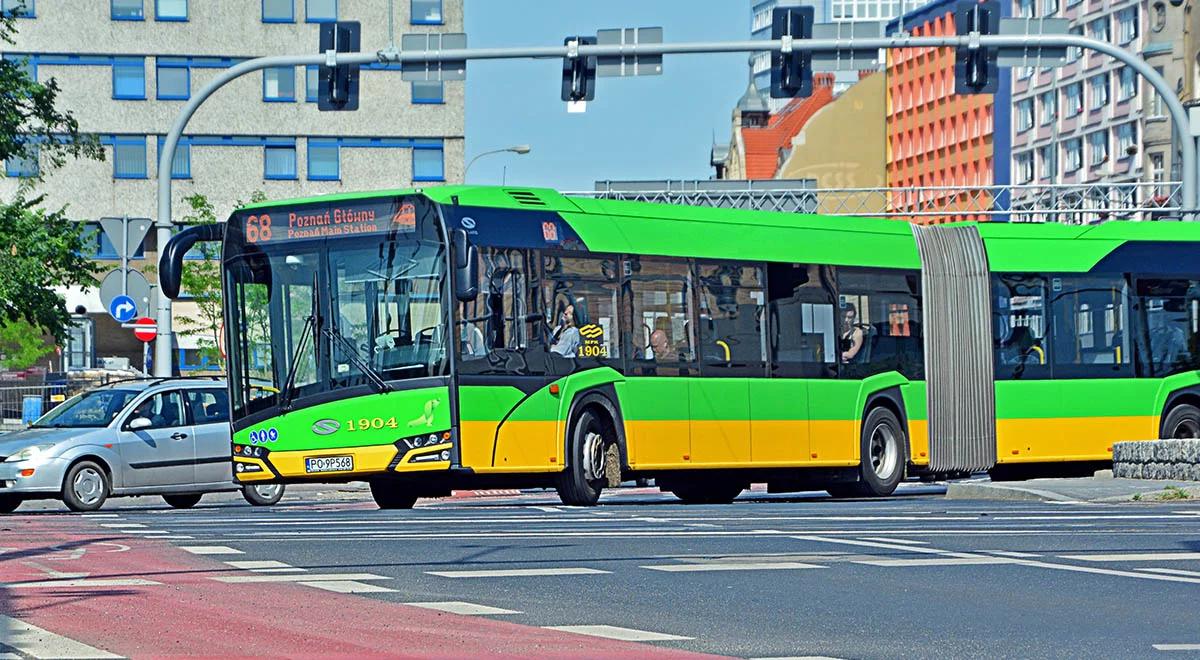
516	149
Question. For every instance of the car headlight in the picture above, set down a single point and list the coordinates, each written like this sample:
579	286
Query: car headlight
28	453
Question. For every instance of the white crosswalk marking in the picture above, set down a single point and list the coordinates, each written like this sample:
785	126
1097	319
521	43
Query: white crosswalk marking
732	566
347	586
616	632
264	566
123	525
459	607
1012	553
1177	647
519	572
38	643
211	550
296	577
1137	556
1171	571
941	561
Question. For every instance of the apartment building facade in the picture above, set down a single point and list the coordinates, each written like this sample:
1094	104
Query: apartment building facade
127	67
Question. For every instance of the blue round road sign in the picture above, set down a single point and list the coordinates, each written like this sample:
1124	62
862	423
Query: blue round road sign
123	309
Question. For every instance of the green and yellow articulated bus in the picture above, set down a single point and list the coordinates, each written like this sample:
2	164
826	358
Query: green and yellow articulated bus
455	337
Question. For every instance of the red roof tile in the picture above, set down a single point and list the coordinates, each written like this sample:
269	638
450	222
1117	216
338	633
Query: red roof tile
762	144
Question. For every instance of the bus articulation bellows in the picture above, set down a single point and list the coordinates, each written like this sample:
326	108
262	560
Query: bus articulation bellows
451	337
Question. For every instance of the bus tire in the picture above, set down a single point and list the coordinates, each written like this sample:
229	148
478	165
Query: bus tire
584	477
881	468
262	494
708	492
1183	421
390	495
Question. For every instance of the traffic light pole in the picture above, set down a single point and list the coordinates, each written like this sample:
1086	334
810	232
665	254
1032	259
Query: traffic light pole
1179	119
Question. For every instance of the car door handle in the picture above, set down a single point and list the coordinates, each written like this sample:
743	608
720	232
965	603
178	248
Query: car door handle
179	436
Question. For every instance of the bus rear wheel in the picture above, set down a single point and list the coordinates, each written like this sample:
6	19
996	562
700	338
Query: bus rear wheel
720	491
1182	422
389	494
587	456
884	456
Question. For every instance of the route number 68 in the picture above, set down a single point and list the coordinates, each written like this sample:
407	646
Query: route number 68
258	228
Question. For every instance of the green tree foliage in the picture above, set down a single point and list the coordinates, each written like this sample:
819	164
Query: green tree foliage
21	345
39	249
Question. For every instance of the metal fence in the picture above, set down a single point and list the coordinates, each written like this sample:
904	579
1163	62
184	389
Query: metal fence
1063	203
20	405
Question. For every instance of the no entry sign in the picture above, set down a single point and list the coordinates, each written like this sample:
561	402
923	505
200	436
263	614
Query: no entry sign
146	329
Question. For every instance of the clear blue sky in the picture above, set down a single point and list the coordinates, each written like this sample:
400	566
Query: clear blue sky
650	127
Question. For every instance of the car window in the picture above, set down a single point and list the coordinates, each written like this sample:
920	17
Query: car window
164	410
208	406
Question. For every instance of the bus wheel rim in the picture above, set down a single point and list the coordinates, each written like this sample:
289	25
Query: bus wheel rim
88	486
593	456
884	452
1187	428
267	491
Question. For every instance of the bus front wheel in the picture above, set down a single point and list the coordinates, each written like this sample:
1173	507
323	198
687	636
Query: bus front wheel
389	494
883	457
1182	422
584	477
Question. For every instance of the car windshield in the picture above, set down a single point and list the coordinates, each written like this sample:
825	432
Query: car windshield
93	409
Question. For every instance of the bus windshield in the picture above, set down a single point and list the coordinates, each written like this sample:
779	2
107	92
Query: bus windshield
320	314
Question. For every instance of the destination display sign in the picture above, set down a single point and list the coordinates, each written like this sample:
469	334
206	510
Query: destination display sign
338	219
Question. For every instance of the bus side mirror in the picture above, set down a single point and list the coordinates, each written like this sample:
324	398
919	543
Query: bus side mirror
466	266
170	264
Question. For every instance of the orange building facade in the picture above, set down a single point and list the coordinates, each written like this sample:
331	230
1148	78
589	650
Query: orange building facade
939	139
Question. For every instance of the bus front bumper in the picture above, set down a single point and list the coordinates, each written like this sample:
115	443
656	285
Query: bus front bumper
363	462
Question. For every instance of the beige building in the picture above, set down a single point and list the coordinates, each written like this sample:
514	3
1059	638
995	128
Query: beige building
1173	49
127	67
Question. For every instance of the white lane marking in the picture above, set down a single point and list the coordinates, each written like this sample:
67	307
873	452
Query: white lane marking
265	566
211	550
38	643
83	583
99	515
548	509
887	540
9	656
731	566
616	632
1136	556
1012	553
347	586
123	525
460	607
1177	647
1171	571
800	657
933	561
519	572
297	577
887	546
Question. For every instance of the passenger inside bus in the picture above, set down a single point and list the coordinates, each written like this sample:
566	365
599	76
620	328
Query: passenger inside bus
566	340
852	334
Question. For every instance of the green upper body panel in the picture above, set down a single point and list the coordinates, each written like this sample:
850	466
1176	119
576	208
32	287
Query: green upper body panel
1051	247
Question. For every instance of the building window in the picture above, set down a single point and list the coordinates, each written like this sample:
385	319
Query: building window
279	84
323	160
24	63
278	11
1024	114
23	165
1072	155
1073	99
1049	7
427	91
1157	171
312	84
1075	52
1025	8
426	12
1126	139
171	10
1127	84
129	157
174	79
1099	29
1098	86
181	166
129	78
1024	167
428	161
128	10
1155	108
279	162
1098	146
1160	16
1048	157
78	354
1127	25
1024	72
18	8
1049	103
320	11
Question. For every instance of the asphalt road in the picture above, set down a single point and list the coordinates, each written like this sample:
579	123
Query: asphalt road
768	576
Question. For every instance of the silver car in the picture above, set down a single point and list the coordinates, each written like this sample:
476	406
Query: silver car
168	437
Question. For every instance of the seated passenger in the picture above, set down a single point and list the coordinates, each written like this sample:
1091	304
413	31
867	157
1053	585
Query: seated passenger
852	335
566	339
660	347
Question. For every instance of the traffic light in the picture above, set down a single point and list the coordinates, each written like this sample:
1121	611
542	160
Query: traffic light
337	86
791	73
579	73
975	69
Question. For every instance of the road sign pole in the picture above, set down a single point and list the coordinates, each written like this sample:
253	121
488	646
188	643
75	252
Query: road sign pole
125	255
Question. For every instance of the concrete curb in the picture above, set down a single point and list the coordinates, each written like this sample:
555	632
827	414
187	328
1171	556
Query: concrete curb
1000	492
1077	490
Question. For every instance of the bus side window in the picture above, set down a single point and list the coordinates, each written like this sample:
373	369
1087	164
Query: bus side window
879	319
1019	327
803	339
660	301
1091	326
1168	326
497	331
732	326
579	296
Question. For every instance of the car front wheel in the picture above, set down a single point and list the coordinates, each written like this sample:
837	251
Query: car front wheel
9	503
85	487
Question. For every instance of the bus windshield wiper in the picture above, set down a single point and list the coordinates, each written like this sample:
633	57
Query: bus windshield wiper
285	397
352	353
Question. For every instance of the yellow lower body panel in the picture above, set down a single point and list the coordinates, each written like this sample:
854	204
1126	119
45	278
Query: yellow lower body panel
675	444
263	474
366	460
522	446
1068	439
659	443
918	441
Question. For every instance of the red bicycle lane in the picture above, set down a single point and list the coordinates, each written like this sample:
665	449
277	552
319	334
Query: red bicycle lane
139	597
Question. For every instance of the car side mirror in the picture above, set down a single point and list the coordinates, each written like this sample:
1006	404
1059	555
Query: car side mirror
139	423
466	266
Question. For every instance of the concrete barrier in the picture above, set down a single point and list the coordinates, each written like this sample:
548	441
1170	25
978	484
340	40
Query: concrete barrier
1157	459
